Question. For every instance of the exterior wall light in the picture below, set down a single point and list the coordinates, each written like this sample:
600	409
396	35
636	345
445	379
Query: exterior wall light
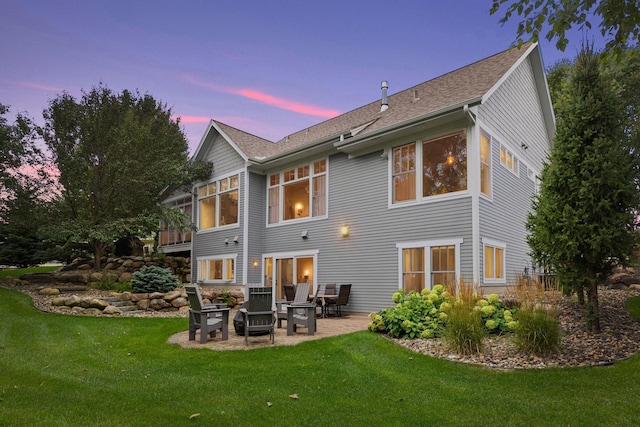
255	263
344	230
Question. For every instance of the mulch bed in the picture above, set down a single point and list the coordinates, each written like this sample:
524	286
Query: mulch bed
619	339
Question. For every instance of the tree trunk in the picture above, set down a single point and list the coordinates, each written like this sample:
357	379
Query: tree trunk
593	308
98	248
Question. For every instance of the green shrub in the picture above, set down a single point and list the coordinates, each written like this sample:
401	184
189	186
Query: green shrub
464	332
538	330
123	287
107	283
496	318
415	315
153	279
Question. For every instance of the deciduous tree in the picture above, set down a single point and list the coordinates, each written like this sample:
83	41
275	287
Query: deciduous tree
115	154
619	19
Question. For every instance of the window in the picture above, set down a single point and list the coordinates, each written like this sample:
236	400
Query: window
443	265
220	269
404	173
494	262
508	160
442	162
218	203
485	165
299	192
174	235
428	263
413	269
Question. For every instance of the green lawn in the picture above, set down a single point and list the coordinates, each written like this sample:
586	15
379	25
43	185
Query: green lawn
17	272
60	370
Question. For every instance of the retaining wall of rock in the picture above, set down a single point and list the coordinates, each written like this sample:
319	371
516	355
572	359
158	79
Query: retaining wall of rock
130	303
82	271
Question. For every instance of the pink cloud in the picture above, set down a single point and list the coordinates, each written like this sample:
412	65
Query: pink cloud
192	119
285	104
39	86
265	98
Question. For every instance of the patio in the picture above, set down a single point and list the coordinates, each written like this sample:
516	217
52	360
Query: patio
326	327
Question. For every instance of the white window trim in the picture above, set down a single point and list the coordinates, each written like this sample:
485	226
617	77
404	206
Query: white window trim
427	245
494	244
420	199
197	203
516	160
223	258
280	186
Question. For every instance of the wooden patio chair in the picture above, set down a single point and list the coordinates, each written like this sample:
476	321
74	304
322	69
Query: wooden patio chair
206	317
301	295
303	317
258	316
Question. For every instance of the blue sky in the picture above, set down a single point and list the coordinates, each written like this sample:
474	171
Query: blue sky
267	67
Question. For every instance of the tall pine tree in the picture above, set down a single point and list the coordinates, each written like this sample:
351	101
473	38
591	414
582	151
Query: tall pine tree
585	214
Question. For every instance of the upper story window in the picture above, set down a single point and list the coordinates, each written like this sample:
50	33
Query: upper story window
485	165
299	192
173	235
441	161
218	203
508	160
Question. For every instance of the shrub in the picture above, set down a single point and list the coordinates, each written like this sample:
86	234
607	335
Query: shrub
538	322
153	279
107	283
464	331
416	315
496	318
538	330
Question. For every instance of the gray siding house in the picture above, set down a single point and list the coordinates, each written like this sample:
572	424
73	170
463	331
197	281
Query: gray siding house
424	186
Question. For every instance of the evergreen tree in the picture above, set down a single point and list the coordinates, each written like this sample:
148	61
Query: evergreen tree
585	214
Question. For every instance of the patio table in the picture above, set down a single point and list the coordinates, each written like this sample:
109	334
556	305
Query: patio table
326	300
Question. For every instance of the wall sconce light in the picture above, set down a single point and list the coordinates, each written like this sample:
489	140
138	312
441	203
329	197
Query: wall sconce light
305	234
236	239
255	263
344	230
226	241
299	209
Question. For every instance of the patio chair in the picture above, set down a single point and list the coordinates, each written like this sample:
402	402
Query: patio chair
301	295
206	317
304	317
342	300
258	316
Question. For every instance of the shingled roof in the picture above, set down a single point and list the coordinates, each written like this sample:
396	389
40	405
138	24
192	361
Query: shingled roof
464	85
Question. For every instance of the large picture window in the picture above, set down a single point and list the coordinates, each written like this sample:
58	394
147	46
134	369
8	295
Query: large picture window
442	162
297	193
218	203
219	269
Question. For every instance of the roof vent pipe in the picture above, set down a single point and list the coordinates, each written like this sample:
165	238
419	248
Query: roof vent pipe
385	103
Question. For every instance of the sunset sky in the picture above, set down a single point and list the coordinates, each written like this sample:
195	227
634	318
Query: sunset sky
267	67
